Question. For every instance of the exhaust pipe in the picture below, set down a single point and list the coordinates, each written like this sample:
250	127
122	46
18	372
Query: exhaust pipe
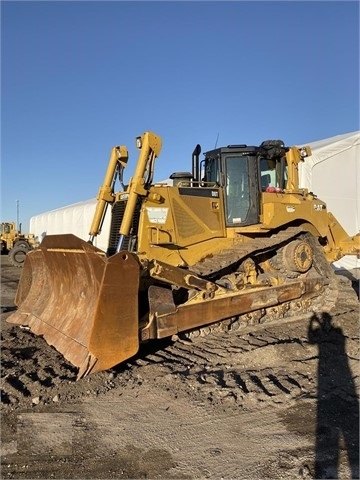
196	163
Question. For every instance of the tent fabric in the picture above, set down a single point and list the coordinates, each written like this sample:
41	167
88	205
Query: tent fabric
332	172
75	218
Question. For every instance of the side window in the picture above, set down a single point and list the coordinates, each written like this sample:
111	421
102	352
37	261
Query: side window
273	174
210	171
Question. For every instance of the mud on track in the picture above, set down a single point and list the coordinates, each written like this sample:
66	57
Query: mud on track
278	402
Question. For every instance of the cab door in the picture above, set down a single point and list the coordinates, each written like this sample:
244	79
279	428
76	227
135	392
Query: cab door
241	190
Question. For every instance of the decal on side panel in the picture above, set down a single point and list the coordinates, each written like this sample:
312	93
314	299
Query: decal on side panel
157	214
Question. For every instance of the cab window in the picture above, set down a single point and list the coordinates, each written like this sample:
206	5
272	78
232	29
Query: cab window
210	171
273	174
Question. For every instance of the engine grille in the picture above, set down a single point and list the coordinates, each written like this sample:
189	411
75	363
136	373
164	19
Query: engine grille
117	214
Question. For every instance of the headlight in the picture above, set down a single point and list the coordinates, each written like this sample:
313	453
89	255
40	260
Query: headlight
138	143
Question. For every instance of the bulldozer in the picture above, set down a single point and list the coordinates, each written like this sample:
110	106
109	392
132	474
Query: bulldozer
15	243
235	242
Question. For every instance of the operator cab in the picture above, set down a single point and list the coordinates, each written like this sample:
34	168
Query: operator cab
244	173
234	169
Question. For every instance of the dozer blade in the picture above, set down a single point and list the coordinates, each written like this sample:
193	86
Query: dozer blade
82	303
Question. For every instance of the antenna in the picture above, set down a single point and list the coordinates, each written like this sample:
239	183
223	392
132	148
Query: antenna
217	138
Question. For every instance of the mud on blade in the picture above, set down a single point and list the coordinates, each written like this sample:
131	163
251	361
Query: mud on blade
82	303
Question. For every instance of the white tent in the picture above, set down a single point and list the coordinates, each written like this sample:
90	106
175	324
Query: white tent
75	218
332	172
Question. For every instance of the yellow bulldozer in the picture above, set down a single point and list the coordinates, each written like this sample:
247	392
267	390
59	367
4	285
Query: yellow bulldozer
234	242
15	243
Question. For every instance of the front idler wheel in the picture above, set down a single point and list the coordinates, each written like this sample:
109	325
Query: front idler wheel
298	256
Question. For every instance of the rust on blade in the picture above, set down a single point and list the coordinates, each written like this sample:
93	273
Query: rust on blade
82	303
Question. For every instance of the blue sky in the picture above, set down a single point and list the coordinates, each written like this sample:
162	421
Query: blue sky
81	77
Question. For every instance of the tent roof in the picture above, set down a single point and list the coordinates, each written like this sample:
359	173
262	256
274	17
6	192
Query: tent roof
328	147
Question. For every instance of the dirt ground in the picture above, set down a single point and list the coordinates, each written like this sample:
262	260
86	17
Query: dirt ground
280	402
